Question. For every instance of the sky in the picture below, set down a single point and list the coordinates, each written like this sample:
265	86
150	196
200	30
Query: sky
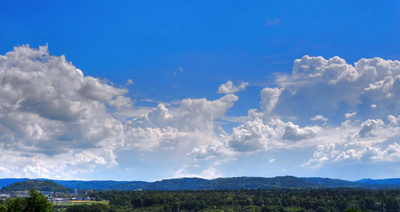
150	90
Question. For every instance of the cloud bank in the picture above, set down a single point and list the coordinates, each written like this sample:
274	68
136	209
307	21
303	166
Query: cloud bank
56	122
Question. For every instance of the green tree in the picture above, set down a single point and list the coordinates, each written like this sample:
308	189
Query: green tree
15	204
37	202
352	210
3	207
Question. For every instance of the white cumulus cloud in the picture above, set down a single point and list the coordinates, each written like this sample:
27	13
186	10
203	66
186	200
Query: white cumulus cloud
48	107
269	98
229	87
319	117
349	115
56	122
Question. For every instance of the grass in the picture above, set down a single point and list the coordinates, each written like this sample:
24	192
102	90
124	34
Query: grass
78	202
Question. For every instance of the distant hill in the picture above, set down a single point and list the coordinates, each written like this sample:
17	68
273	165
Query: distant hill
179	184
260	182
392	181
79	184
40	185
9	181
103	184
219	183
134	185
331	183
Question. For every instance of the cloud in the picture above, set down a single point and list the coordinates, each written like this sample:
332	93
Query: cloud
295	133
324	86
214	150
121	102
369	126
319	117
129	82
56	122
391	153
331	153
393	120
269	98
323	154
349	115
362	143
331	87
180	69
384	93
255	135
192	121
209	173
48	107
331	71
229	88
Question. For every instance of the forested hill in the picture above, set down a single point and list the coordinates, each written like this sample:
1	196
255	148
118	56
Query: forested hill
392	181
223	183
230	183
40	185
103	184
331	183
217	184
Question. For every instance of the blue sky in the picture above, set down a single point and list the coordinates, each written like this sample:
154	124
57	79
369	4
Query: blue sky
147	90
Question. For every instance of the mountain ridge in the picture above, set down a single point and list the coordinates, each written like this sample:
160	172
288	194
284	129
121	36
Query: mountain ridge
41	185
231	183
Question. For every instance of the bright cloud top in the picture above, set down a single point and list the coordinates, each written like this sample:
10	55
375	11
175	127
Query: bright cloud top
48	107
57	123
228	87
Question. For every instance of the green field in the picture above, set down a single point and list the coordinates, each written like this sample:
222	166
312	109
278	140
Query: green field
78	202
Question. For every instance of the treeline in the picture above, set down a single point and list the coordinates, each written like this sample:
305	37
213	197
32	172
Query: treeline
230	183
221	183
35	202
45	185
277	200
203	184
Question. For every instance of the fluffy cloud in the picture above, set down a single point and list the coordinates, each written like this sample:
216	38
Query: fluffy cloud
333	153
321	155
256	135
192	114
361	143
369	126
391	153
48	107
319	117
295	133
216	149
269	98
333	87
229	88
393	120
330	87
55	122
192	121
198	114
349	115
